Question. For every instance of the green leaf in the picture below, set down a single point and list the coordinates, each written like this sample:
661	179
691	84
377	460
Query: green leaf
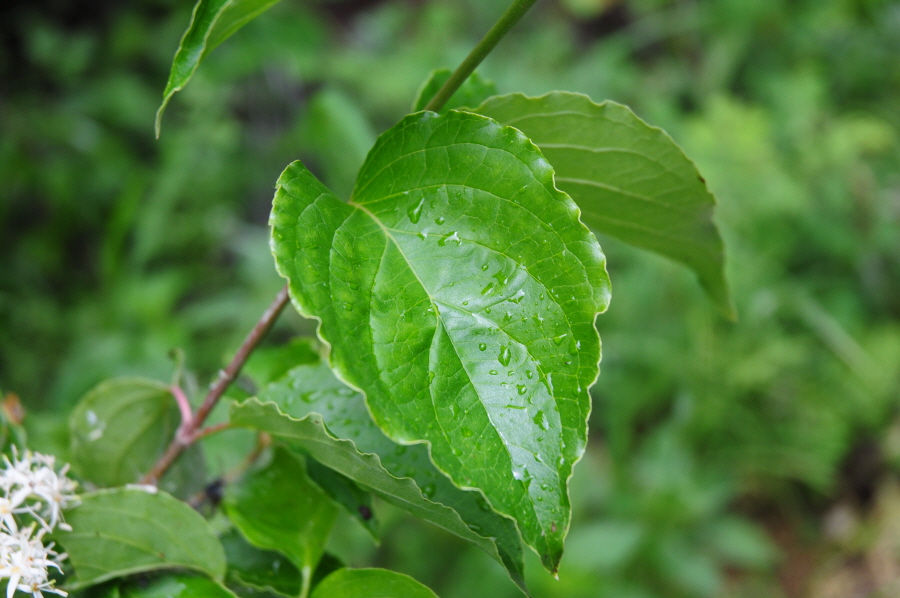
311	434
311	389
471	93
120	428
370	583
123	531
458	290
630	180
262	570
279	508
177	585
212	22
347	493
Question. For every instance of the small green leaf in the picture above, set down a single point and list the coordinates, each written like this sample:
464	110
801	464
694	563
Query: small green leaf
212	22
458	290
630	180
279	508
120	428
310	433
123	531
370	583
262	570
471	93
178	585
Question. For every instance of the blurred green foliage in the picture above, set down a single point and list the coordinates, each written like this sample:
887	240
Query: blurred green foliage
706	435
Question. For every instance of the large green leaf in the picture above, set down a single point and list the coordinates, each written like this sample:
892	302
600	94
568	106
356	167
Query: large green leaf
370	583
630	180
311	434
279	508
471	93
311	389
177	585
212	22
123	531
120	428
458	290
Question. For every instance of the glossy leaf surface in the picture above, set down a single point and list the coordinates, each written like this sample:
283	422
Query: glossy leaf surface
279	508
630	180
176	586
124	531
471	93
212	22
311	434
458	290
370	583
120	428
311	389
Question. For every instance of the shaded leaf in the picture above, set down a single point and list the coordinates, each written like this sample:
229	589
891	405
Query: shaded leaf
630	180
123	531
458	290
120	428
310	434
178	585
212	22
471	93
345	492
370	583
279	508
263	570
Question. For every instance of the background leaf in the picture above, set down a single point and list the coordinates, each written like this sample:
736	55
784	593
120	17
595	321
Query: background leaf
178	585
262	570
124	531
212	22
630	180
370	583
311	389
310	434
279	508
120	428
491	365
346	493
471	93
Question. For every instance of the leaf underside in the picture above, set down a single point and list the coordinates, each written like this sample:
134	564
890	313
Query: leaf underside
311	389
458	290
630	180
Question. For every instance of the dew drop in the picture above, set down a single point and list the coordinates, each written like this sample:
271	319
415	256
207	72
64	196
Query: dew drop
504	356
466	432
354	286
517	298
439	220
453	236
482	347
415	212
484	267
430	376
488	288
529	374
558	340
487	310
347	306
521	388
540	420
428	490
493	372
483	504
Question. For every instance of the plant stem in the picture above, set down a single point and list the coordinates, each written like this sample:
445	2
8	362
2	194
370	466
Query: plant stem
506	21
184	439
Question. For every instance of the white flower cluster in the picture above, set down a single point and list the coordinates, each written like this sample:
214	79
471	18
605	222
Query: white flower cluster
32	492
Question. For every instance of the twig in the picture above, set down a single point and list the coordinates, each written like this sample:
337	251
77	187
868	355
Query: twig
188	433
